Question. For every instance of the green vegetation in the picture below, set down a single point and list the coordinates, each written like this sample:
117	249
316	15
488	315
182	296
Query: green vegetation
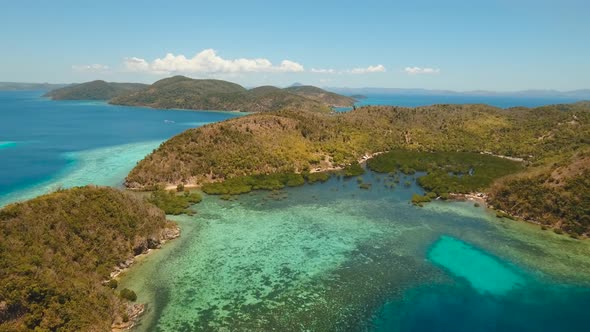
365	186
558	195
419	199
245	184
113	283
317	177
446	141
447	172
172	203
186	93
95	90
354	169
128	295
56	250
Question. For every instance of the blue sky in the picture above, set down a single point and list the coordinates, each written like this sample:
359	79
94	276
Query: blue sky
457	44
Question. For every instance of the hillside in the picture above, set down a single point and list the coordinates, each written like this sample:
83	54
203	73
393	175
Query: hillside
56	250
95	90
185	93
291	141
556	194
322	96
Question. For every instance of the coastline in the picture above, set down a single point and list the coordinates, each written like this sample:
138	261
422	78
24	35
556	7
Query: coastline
480	198
180	109
134	311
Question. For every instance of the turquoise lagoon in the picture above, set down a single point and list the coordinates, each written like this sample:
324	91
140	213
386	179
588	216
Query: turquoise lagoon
333	257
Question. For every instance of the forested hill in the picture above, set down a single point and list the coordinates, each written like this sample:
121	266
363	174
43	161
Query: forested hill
292	141
207	94
56	250
95	90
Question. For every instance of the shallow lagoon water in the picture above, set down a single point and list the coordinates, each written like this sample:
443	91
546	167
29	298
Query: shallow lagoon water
333	257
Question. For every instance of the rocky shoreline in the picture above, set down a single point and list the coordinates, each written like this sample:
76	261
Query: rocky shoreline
143	248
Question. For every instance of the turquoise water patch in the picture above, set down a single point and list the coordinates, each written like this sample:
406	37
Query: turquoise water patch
7	144
485	273
104	166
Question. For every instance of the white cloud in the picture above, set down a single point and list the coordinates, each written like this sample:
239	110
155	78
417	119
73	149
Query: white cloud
93	68
370	69
323	71
136	64
420	71
207	61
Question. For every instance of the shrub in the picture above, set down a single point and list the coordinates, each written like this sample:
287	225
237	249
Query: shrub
128	294
113	283
419	199
354	169
365	186
172	203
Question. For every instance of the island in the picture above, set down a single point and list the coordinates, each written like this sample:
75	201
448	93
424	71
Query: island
95	90
512	159
180	92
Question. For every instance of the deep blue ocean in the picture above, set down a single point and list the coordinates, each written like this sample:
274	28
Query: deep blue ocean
322	254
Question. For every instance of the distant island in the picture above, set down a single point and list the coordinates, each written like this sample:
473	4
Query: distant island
181	92
95	90
537	153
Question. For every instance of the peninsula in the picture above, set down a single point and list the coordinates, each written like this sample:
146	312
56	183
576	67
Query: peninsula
551	142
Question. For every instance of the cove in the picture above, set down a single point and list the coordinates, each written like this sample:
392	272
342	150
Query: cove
334	257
